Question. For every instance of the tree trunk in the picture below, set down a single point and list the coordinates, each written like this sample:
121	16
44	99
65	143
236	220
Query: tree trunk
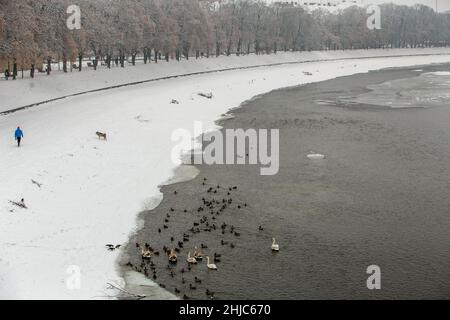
238	49
32	71
14	70
133	58
65	64
80	61
49	66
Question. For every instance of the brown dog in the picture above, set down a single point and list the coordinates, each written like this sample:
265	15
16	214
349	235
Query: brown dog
101	135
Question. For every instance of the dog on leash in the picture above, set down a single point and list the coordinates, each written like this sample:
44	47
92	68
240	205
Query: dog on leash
101	135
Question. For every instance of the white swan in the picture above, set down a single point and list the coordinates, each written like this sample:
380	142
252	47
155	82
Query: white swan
275	246
191	259
211	266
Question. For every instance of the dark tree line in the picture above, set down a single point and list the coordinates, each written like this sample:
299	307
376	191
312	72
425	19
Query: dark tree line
34	33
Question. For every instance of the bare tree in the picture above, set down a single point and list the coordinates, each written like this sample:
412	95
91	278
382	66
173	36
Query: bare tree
34	33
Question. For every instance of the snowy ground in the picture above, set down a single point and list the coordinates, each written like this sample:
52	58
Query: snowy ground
93	190
14	94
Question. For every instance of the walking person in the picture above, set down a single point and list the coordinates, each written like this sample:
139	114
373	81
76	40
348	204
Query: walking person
6	74
18	135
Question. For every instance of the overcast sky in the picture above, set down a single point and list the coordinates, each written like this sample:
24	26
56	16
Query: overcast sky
443	5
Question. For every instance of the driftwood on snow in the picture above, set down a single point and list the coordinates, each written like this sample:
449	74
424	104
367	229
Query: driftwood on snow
19	204
130	294
206	95
36	183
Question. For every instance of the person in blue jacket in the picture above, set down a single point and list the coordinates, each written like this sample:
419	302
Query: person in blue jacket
18	135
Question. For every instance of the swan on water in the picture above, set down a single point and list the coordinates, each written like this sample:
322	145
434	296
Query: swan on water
191	259
275	246
198	255
172	257
146	253
210	266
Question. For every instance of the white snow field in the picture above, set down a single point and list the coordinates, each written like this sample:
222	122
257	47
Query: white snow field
92	190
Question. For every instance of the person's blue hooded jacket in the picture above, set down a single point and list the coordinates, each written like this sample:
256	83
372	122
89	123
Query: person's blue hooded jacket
19	133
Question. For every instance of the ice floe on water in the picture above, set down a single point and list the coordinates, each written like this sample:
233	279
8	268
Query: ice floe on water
430	89
440	73
316	156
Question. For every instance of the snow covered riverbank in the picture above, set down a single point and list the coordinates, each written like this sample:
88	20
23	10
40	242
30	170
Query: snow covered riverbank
24	92
92	190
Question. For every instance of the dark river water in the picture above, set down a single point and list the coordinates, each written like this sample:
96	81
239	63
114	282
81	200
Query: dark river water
380	197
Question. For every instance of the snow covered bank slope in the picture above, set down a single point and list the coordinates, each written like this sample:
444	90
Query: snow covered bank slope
93	190
14	94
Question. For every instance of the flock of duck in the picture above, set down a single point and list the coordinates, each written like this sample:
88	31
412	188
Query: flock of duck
150	259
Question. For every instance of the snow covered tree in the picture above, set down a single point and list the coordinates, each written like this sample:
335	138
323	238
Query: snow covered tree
33	32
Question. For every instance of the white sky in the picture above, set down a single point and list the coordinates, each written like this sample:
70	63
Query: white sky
443	5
